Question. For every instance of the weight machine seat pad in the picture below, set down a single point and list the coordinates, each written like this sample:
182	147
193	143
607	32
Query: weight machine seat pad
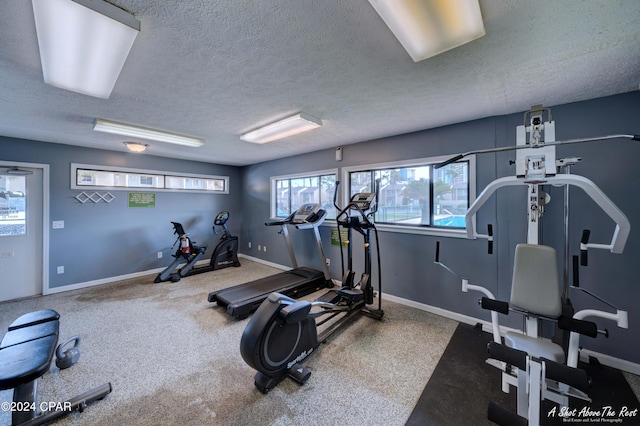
26	334
535	286
25	362
33	318
534	346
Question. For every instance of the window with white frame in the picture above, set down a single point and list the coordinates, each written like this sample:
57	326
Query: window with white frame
89	176
288	193
415	195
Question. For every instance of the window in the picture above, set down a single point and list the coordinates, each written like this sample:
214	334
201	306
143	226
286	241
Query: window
13	206
415	195
88	176
288	193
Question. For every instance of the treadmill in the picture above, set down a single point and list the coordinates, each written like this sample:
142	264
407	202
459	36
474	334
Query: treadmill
241	300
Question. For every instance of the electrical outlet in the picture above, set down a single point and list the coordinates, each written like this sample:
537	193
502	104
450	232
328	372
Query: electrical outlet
259	247
328	261
249	244
159	255
61	269
264	249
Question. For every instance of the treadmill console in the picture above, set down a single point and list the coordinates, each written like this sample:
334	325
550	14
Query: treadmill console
307	213
363	200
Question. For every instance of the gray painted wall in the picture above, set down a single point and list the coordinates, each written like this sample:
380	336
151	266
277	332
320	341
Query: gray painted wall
101	240
407	260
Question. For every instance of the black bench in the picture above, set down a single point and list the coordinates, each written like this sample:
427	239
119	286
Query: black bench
26	353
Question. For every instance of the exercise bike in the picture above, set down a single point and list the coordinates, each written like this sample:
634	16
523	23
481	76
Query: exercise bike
224	255
284	331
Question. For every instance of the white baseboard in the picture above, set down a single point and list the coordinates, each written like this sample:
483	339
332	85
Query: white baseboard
486	325
265	262
617	363
92	283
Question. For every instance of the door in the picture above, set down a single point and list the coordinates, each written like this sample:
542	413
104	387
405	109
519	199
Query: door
21	233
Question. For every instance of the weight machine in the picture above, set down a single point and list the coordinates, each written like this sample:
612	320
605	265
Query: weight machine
536	165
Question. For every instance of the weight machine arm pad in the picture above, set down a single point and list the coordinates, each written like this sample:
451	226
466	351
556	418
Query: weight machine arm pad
502	416
573	377
587	328
511	356
495	305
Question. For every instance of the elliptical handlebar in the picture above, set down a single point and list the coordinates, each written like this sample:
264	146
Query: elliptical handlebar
335	196
374	209
354	206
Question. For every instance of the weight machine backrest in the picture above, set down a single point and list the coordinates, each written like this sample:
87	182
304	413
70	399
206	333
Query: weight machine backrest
535	286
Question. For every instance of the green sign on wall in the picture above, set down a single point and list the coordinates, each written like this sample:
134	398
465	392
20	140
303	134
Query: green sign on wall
142	199
334	237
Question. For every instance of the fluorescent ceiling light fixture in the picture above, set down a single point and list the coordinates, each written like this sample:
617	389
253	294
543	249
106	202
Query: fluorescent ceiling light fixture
130	130
426	28
284	128
83	43
136	146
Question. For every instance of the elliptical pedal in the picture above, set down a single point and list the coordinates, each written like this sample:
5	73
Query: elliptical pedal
352	295
299	373
330	296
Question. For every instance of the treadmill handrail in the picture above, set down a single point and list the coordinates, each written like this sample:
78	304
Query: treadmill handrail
322	215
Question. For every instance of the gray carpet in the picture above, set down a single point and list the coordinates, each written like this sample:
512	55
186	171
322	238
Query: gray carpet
173	358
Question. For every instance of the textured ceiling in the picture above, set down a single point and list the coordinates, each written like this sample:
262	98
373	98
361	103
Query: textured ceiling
216	69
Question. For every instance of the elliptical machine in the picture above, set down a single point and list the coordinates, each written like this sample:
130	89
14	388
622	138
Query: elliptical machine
284	331
224	255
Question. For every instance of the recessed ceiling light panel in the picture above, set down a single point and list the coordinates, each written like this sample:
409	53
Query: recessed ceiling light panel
83	43
133	131
284	128
426	28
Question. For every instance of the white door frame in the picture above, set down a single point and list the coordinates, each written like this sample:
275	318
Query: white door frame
45	215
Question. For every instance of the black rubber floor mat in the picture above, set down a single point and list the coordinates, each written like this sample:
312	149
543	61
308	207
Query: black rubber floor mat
462	385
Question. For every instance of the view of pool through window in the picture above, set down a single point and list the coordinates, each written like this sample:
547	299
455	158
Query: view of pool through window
418	195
